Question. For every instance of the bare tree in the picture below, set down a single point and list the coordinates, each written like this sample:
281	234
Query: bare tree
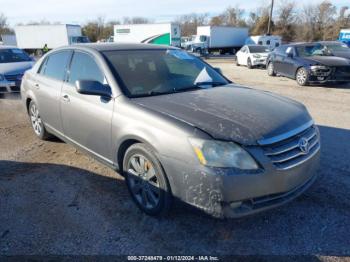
286	21
136	20
232	16
190	22
4	27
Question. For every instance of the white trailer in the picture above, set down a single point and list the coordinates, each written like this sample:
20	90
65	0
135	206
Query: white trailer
224	39
272	41
162	34
34	37
9	39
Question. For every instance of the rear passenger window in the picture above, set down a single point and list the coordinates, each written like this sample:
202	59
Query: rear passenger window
55	65
84	67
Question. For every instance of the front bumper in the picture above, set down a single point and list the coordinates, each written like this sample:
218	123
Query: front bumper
228	192
10	87
259	61
336	74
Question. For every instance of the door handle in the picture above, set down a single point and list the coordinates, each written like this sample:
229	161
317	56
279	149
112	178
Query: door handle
65	98
37	86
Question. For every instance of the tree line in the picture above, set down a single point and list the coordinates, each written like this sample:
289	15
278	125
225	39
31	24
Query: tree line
311	22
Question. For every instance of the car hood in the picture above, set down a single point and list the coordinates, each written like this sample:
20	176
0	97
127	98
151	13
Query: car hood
15	68
328	60
261	54
232	112
345	54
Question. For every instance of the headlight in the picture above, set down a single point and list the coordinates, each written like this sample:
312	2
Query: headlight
256	56
222	154
2	78
319	67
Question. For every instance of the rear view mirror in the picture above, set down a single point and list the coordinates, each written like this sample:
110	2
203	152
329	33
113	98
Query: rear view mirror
217	69
290	54
91	87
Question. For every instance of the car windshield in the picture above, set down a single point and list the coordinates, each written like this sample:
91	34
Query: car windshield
13	55
259	49
313	50
157	72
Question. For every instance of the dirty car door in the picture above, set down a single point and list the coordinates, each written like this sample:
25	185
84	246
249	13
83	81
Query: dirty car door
48	85
86	119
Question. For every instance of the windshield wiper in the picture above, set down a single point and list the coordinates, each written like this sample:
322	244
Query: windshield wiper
198	85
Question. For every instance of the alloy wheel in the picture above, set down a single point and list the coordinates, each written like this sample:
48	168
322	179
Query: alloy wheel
301	77
37	124
143	181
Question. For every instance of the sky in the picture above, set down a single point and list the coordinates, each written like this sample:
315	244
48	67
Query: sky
81	11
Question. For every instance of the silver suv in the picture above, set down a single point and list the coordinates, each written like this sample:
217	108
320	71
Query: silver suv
174	127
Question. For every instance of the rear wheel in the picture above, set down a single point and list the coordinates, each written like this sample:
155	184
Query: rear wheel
37	123
146	180
271	69
237	64
302	77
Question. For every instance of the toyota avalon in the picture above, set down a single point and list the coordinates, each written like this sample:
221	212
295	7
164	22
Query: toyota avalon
174	126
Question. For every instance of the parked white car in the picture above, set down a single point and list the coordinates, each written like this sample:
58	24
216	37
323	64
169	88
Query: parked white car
13	63
252	55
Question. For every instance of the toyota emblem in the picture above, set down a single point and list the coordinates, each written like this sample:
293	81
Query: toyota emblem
304	145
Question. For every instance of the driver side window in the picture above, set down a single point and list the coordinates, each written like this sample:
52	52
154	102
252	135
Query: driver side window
83	67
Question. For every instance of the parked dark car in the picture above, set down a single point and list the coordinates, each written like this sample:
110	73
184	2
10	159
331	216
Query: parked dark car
174	127
308	63
336	48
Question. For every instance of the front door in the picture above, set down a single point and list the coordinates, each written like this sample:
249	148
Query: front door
87	119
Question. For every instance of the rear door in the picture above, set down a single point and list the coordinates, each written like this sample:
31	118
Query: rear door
87	119
49	81
279	57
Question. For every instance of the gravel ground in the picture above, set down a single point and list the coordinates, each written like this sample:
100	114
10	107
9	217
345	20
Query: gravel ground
56	200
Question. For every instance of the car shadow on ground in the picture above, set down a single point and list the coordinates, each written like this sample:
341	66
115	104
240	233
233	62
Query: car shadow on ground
59	209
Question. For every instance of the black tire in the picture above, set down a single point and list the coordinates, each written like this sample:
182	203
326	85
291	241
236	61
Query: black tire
249	63
302	76
146	185
2	95
270	69
37	123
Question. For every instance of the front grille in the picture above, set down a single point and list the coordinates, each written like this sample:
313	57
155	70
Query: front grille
294	150
13	78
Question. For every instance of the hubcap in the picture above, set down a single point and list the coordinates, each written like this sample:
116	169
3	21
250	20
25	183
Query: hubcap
36	120
143	181
301	76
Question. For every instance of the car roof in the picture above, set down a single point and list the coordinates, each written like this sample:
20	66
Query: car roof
330	42
121	46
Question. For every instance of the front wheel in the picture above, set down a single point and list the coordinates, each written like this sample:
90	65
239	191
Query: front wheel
37	123
271	69
249	63
146	180
302	77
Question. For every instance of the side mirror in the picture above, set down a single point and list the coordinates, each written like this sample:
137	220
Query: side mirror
91	87
217	69
290	54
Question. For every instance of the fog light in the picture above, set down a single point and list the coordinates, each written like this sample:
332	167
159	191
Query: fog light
234	205
320	78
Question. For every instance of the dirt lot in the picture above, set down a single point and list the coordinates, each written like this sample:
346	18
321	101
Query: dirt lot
56	200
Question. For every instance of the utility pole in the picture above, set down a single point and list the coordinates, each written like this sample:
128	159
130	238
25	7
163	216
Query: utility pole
270	19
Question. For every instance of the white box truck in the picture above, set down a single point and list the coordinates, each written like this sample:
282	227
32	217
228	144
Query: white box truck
162	34
32	38
223	39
